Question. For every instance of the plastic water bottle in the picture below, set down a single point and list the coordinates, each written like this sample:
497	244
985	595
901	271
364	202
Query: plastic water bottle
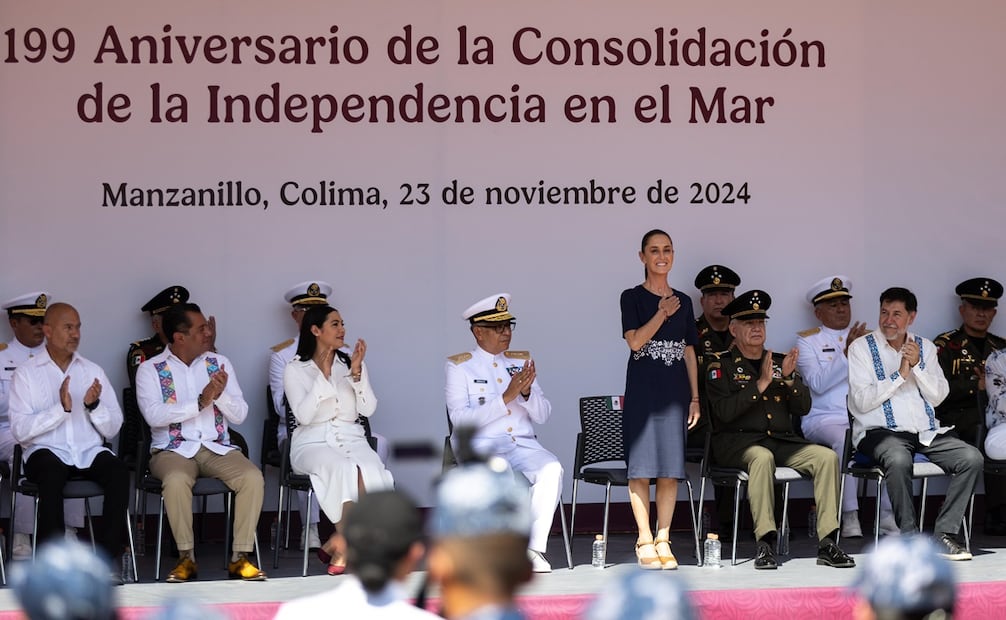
127	567
273	533
139	538
712	551
812	522
597	550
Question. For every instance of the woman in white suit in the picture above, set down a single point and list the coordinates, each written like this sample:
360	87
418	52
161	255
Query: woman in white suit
327	391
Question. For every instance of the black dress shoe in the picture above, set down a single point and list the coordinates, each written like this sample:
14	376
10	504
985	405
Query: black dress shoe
828	554
765	559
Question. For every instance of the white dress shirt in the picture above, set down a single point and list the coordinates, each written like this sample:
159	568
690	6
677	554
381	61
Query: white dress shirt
892	400
38	420
197	426
825	370
10	358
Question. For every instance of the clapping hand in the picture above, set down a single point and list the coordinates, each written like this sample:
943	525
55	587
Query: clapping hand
789	362
356	359
64	395
858	329
93	394
520	382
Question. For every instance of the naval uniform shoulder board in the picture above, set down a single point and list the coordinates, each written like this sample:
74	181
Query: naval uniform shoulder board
460	357
518	355
808	332
279	347
3	346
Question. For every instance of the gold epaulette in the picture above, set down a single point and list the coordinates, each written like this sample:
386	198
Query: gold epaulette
3	345
279	347
460	358
943	338
518	355
809	332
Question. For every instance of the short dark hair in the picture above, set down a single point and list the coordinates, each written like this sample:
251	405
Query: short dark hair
905	296
176	319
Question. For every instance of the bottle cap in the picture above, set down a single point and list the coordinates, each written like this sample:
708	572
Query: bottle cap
712	536
598	537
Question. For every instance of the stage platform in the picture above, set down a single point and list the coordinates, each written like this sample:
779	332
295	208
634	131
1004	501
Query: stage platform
798	589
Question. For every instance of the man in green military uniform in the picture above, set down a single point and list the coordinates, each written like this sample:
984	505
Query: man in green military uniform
962	353
142	350
753	395
717	284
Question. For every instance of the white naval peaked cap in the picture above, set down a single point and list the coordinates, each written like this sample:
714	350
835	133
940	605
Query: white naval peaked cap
29	304
309	293
491	309
831	287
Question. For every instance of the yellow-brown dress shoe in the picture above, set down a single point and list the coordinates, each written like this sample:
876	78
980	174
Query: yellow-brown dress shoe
184	571
242	568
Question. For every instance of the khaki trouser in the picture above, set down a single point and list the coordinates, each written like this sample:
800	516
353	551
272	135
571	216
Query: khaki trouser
178	473
819	462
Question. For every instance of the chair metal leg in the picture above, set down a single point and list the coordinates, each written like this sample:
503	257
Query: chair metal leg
695	523
34	531
876	513
969	522
310	498
784	529
258	558
90	524
572	512
160	539
922	504
607	503
565	535
132	548
228	527
737	512
289	519
279	528
841	496
702	497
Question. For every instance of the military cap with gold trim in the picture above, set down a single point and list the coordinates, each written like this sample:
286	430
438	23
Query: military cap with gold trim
717	278
30	304
492	309
980	291
309	293
170	296
832	287
748	306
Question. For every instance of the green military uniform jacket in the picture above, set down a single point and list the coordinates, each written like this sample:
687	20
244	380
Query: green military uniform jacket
710	343
140	351
959	358
742	417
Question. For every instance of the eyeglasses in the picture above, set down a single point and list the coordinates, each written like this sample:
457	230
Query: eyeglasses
500	328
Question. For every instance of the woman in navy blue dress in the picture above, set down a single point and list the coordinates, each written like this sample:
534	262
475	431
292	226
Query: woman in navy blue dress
661	395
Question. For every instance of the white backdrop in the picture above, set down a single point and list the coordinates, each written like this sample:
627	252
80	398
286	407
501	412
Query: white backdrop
883	164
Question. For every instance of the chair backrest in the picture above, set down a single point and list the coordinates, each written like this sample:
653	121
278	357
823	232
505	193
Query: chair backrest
270	443
130	432
601	429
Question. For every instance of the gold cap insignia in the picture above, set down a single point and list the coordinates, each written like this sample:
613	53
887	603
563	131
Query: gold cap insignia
41	301
836	284
501	305
314	290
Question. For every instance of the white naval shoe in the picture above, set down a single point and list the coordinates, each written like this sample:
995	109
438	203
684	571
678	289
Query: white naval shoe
538	562
850	525
71	533
21	549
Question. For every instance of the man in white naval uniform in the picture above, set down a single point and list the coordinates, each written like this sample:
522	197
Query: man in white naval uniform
495	391
824	364
302	296
25	315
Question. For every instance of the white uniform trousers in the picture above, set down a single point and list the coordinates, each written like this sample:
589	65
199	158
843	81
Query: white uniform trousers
542	469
